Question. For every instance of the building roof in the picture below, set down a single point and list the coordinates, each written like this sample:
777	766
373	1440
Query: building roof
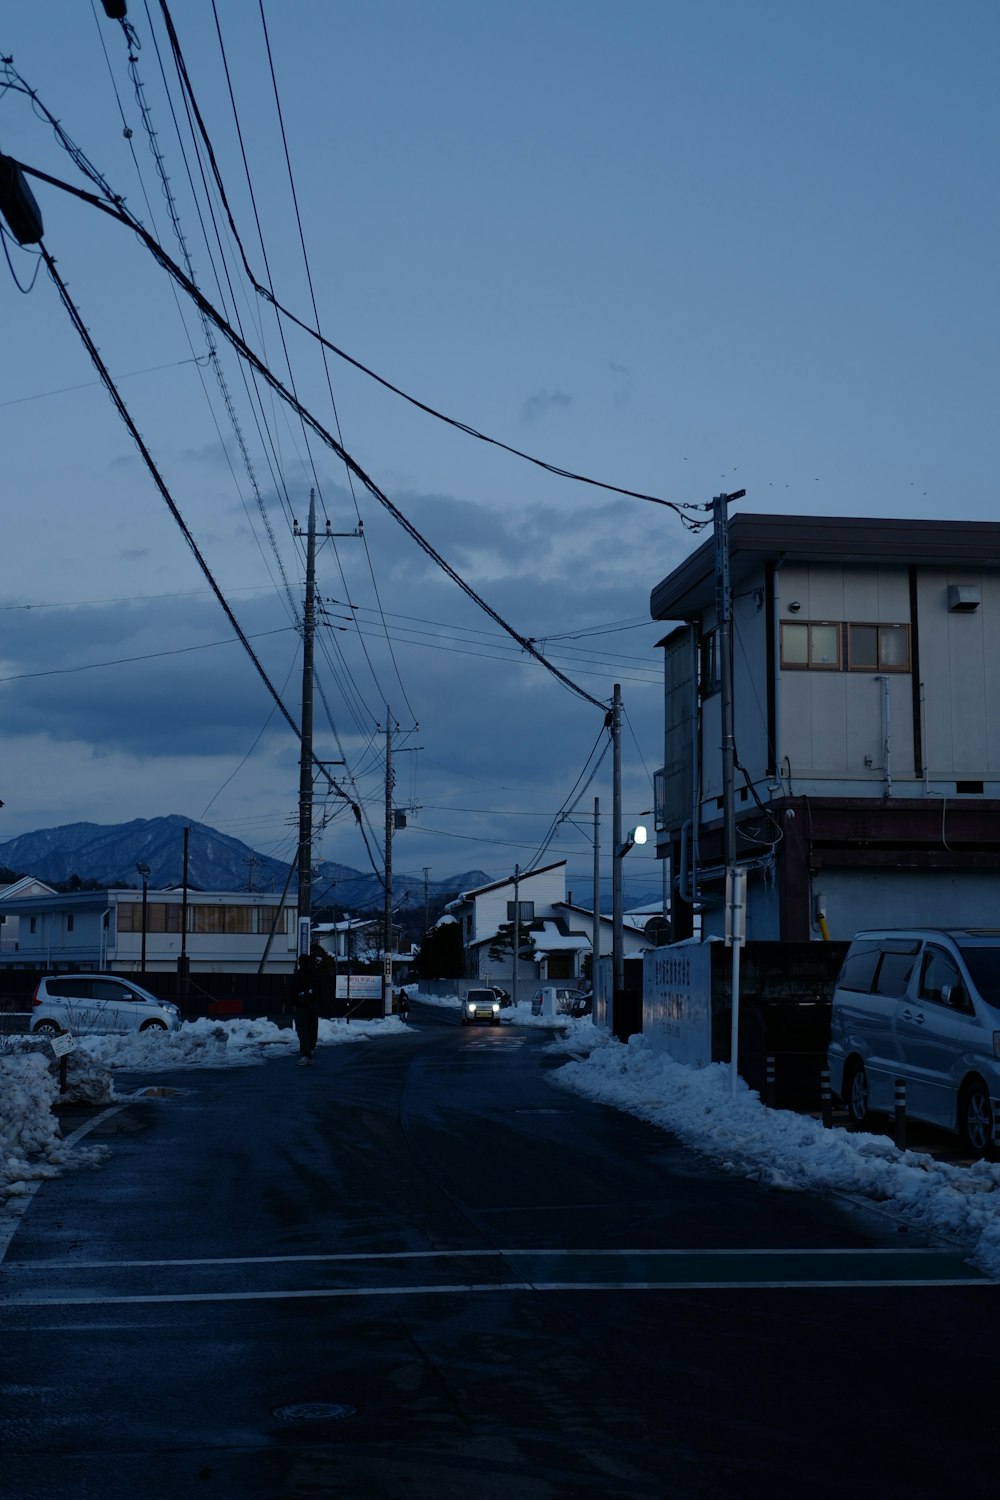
23	887
498	885
757	539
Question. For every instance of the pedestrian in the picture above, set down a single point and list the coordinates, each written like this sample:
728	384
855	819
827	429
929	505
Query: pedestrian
404	1005
305	1007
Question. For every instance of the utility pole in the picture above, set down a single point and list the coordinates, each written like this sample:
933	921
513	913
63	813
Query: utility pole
427	870
595	941
517	933
306	751
735	878
387	908
617	936
183	967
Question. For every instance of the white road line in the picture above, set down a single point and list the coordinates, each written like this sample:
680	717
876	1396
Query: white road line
15	1209
12	1304
499	1254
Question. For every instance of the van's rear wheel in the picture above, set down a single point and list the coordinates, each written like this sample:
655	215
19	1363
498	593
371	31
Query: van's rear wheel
856	1094
975	1118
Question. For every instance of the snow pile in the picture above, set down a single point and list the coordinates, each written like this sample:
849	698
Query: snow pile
220	1044
786	1150
30	1145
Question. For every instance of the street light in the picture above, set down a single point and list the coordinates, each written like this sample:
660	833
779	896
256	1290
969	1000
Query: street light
634	836
144	871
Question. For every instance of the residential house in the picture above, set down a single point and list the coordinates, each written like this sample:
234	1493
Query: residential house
866	702
10	923
225	932
555	935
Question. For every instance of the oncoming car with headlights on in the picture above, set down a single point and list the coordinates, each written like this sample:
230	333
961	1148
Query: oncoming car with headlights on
481	1005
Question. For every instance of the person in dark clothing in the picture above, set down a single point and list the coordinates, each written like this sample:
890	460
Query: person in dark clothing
305	1007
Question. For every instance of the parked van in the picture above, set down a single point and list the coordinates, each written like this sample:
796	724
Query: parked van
921	1005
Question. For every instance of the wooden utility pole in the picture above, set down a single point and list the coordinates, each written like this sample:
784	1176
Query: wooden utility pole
387	907
735	878
306	752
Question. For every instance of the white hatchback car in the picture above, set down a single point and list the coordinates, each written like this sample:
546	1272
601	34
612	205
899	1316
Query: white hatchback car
98	1002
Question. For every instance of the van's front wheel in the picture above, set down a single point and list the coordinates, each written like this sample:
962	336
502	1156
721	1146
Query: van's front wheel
975	1118
856	1094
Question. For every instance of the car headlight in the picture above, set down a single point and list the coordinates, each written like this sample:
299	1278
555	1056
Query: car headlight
471	1008
496	1007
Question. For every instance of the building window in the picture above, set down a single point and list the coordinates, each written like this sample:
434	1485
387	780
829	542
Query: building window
878	648
31	923
812	645
710	674
525	911
69	921
826	646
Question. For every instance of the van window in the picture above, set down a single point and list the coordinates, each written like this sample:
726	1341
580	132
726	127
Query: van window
859	967
984	966
894	974
937	971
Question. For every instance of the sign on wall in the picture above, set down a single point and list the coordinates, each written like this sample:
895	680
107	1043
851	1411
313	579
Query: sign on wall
677	1001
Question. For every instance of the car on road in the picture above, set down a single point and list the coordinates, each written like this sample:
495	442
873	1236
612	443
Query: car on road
80	1003
481	1005
920	1007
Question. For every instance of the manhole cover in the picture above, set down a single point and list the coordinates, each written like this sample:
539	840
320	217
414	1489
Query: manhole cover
315	1411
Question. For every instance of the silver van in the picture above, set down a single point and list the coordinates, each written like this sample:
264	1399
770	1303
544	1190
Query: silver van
921	1005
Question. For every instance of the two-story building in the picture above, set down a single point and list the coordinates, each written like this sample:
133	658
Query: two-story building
10	923
866	715
223	932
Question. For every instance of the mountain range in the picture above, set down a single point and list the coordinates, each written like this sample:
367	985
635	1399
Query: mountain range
107	855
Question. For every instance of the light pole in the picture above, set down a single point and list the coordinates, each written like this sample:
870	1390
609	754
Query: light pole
634	836
143	870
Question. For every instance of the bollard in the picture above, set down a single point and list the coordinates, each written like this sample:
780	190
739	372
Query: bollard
899	1115
62	1074
771	1085
825	1097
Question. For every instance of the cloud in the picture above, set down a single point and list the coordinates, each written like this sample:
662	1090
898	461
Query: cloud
542	401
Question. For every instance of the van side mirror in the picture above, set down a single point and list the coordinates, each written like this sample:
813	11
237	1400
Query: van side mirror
955	995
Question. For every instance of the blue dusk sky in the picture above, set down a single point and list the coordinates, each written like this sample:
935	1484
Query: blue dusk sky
676	247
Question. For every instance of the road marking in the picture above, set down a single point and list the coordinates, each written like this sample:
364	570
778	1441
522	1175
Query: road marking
449	1290
14	1209
552	1252
538	1271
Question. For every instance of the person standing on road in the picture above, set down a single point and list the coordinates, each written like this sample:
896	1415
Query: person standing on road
305	1007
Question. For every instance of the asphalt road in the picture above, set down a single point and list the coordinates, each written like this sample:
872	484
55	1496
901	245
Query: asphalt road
418	1269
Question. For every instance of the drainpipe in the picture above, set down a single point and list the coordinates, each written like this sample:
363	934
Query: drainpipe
695	768
886	727
776	676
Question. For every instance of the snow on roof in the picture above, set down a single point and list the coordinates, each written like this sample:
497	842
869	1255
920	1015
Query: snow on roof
551	940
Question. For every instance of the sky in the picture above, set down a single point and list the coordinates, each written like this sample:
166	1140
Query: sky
955	1206
677	248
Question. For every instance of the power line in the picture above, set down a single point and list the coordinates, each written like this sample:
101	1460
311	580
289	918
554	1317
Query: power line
685	512
117	211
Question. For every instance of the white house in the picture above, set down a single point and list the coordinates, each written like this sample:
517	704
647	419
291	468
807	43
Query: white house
10	922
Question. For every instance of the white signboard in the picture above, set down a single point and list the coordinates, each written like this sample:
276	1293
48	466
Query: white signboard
677	1001
359	986
62	1044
